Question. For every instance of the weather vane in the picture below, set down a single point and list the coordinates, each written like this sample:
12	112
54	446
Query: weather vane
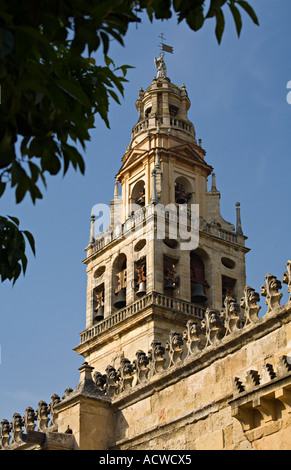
164	47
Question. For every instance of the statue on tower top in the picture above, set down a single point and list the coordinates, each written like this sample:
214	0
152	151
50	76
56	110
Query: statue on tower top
161	66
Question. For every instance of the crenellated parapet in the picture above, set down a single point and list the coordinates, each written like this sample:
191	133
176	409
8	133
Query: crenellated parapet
262	396
217	329
41	420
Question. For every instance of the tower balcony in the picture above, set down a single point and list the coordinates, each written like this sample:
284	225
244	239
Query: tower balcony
168	124
154	300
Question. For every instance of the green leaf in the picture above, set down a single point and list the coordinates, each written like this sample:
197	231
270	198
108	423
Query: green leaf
214	7
2	188
114	96
50	162
14	219
105	41
24	263
30	240
220	24
195	20
34	193
247	7
75	91
236	16
16	273
21	190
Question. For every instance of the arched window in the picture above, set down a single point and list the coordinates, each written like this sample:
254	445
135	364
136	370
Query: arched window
98	303
183	190
198	281
138	194
119	281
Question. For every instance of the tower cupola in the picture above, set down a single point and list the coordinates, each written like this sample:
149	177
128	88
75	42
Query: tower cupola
163	107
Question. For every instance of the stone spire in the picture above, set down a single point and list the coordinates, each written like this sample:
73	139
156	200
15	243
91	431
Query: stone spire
238	220
92	237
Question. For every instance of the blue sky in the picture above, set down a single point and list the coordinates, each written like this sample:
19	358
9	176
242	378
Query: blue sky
239	109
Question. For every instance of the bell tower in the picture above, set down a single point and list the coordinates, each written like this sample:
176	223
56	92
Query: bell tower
167	253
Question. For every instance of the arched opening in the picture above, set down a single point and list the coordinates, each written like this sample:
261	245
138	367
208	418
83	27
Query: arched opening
171	277
147	112
138	194
183	190
140	277
198	281
98	303
173	110
119	283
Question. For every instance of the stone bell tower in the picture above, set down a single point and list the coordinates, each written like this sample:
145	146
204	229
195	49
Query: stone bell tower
167	254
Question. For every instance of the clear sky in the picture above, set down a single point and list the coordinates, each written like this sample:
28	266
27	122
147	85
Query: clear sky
239	109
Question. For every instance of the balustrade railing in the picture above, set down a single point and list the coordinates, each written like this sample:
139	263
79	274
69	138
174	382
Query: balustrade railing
143	215
152	298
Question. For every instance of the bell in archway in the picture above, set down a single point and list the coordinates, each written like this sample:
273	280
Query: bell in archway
120	300
198	296
170	284
99	315
141	289
180	197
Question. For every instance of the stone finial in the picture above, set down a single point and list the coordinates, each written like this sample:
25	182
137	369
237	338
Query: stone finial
270	291
16	427
287	278
213	183
100	380
113	379
125	373
92	230
29	419
230	315
212	324
141	366
193	336
153	186
238	220
249	304
42	413
156	356
174	346
67	392
5	433
55	399
116	190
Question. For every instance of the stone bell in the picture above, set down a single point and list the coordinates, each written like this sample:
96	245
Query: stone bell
99	313
141	289
120	300
198	296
